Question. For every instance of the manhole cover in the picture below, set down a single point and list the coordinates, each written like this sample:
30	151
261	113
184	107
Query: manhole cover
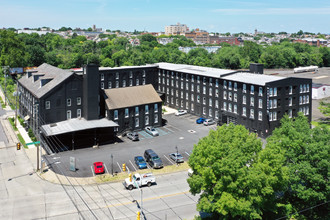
191	131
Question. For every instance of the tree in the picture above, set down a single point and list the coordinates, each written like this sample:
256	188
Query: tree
235	177
306	154
12	49
325	108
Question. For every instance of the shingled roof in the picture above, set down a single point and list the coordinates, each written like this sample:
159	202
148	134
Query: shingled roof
131	96
42	80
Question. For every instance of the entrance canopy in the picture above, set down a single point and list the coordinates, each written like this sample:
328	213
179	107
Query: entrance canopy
75	124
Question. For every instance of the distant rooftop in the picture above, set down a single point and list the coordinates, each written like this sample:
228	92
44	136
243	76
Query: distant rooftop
250	78
79	70
198	70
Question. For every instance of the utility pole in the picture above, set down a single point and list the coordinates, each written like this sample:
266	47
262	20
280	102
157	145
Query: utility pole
111	164
17	93
5	68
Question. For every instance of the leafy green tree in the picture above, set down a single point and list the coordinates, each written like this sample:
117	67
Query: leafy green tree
12	50
107	62
325	108
236	178
307	158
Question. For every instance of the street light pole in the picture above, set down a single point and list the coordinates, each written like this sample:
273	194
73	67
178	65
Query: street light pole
111	164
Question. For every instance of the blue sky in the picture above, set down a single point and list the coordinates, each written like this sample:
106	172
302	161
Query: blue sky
153	15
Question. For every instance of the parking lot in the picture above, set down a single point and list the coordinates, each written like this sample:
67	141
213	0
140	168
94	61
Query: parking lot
180	131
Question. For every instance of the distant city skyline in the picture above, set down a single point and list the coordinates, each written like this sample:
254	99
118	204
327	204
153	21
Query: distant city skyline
147	15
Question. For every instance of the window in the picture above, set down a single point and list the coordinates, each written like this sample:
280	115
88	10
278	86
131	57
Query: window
102	76
300	99
204	111
163	80
224	95
198	89
172	92
187	77
192	78
274	116
307	99
229	85
210	81
252	89
192	97
156	118
146	109
137	82
290	90
117	84
217	103
290	101
230	97
167	82
159	80
143	81
235	97
198	79
210	91
68	102
187	86
270	91
172	101
181	94
136	110
156	107
307	90
229	107
225	84
225	106
235	109
204	101
260	91
275	91
304	100
78	113
244	99
244	111
270	103
204	80
260	103
136	122
177	75
176	93
270	116
192	106
252	101
301	88
181	85
47	105
192	87
102	85
131	74
204	89
235	86
290	113
68	114
210	102
78	100
304	88
177	84
216	83
117	75
143	73
210	112
275	103
307	110
252	113
244	88
198	99
260	116
217	114
187	96
216	92
146	120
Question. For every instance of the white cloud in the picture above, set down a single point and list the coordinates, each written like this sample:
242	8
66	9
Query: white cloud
274	11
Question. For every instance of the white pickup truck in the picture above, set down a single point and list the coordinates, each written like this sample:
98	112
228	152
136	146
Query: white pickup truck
139	180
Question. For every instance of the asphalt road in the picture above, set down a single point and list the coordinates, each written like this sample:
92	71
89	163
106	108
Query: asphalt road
181	131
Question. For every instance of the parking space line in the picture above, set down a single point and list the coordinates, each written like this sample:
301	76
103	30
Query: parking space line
132	165
169	129
174	127
145	134
187	153
161	132
169	160
106	168
148	166
92	171
120	167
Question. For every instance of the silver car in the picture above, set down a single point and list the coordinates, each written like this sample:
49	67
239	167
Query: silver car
177	157
152	131
209	122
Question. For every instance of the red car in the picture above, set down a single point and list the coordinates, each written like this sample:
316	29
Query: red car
98	167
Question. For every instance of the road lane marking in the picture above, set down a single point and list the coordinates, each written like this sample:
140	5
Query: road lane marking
148	199
106	168
187	153
120	167
92	171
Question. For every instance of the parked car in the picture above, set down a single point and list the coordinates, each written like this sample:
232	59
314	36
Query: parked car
177	157
98	167
139	180
209	122
200	120
133	136
180	112
140	162
152	131
153	159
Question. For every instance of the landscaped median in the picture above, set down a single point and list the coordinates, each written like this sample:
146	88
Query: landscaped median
121	176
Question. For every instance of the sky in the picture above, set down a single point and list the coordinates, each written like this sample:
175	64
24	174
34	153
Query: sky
221	16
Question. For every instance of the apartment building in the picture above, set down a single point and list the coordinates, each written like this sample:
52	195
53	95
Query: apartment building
176	29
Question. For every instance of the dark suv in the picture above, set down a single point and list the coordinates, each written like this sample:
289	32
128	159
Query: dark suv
153	159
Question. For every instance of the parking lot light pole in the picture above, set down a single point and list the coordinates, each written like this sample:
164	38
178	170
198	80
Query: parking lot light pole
176	147
111	164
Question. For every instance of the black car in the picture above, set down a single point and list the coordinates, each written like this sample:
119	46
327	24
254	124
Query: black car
133	136
153	159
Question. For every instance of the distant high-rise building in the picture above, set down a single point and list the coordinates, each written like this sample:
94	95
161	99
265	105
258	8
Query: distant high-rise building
176	29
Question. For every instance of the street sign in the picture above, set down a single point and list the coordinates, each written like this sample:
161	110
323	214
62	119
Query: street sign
37	142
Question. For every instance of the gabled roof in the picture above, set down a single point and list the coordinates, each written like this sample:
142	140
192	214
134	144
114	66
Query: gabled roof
130	96
54	75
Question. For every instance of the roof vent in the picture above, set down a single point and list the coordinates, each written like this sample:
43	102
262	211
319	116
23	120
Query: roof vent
53	125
